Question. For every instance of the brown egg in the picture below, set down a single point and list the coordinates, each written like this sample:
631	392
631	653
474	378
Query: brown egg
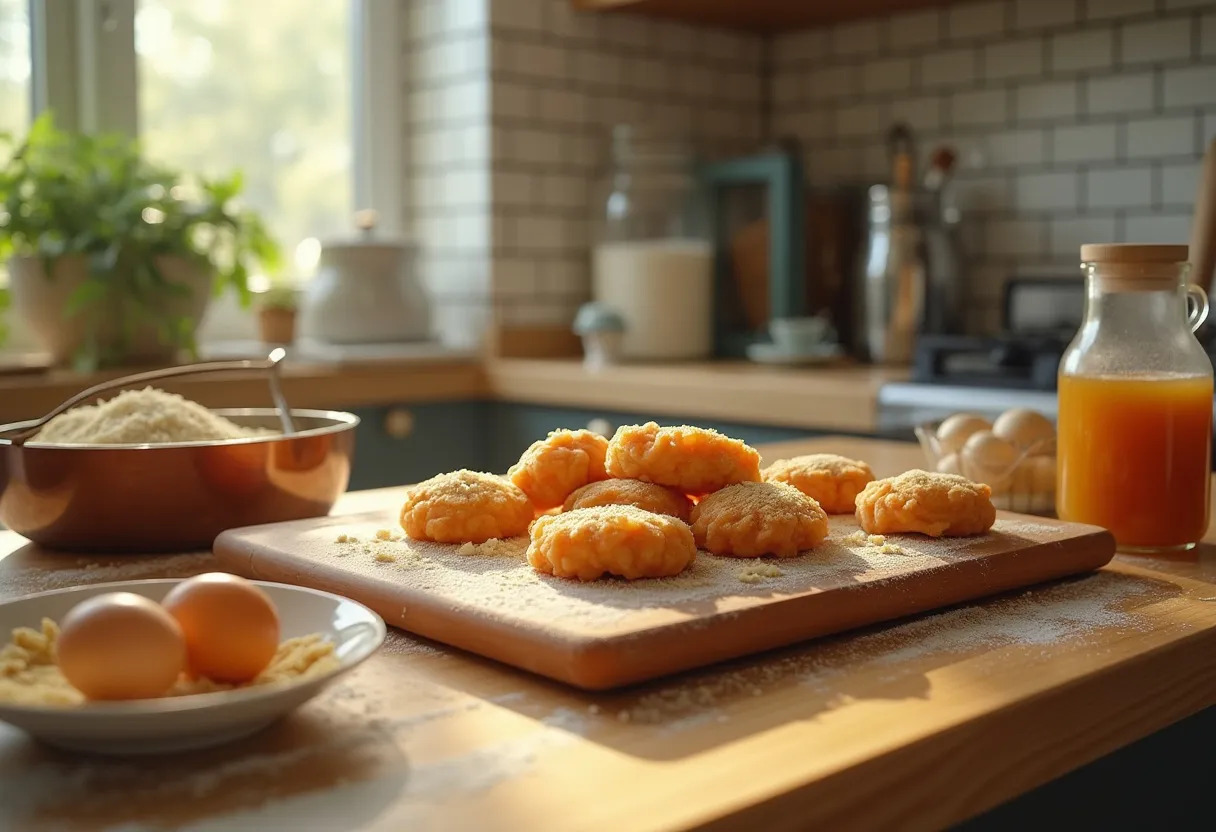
954	432
1042	474
1026	429
120	646
989	459
231	626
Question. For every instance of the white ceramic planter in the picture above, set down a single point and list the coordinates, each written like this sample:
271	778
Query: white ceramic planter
40	302
364	293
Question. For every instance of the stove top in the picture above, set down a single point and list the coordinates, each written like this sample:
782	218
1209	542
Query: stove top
1013	362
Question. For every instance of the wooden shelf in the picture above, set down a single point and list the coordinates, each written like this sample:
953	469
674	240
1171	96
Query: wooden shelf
759	15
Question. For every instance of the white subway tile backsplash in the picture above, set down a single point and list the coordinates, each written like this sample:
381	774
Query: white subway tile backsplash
922	113
1050	100
1084	143
1125	93
513	189
1179	183
831	83
1126	187
1085	50
1155	41
1013	58
1154	137
977	108
1015	238
1069	234
914	30
1189	86
1011	148
949	68
1038	14
1158	228
853	39
1108	9
799	48
1047	191
988	192
859	120
890	75
562	106
975	20
559	190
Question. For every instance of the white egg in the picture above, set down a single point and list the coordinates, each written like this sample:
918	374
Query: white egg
989	459
954	432
949	464
1026	429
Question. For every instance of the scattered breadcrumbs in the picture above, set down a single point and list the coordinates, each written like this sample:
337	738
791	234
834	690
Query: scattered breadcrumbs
384	534
757	573
341	538
857	538
876	540
385	557
494	547
891	549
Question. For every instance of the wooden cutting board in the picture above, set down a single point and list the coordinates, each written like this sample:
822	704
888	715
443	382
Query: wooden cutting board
608	633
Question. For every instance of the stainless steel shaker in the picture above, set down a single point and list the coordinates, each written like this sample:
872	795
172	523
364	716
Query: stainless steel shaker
909	271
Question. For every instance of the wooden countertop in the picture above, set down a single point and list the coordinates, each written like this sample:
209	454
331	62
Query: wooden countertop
914	725
831	398
828	398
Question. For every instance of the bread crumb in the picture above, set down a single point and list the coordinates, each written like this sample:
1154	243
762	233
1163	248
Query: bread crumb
891	549
384	534
385	557
341	538
758	572
467	549
876	540
857	538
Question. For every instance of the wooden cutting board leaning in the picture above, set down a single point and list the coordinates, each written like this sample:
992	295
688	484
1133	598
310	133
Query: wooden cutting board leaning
608	633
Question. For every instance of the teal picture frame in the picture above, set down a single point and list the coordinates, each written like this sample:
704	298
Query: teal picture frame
781	176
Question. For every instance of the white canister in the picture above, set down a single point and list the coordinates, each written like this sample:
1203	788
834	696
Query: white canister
663	289
365	292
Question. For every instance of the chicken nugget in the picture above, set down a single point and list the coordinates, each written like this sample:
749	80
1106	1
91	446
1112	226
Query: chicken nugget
644	495
587	543
752	519
554	466
694	460
834	481
930	503
465	507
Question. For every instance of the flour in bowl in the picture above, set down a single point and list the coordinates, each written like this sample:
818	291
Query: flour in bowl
139	417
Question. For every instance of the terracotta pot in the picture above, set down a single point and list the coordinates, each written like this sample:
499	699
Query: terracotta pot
277	325
40	301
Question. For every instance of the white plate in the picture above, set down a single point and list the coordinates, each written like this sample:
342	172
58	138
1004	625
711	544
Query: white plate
154	726
764	353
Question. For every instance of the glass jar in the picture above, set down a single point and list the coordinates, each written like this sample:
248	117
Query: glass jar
1135	402
651	250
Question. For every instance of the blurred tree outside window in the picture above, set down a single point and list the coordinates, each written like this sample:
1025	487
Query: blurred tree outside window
15	66
260	86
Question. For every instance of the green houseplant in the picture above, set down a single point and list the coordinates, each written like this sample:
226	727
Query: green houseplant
112	258
277	308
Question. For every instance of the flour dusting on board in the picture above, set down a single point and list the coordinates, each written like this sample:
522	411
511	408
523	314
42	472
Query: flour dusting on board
494	579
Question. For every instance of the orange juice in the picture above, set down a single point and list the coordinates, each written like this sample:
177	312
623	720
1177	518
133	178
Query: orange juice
1135	456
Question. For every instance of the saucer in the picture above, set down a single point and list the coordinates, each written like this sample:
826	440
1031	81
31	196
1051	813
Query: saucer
766	353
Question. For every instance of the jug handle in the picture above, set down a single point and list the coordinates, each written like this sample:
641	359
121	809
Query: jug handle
1199	314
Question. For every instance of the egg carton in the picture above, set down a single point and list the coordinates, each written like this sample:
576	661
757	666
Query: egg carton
1026	484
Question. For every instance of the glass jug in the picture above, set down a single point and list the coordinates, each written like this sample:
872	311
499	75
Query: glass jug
1135	402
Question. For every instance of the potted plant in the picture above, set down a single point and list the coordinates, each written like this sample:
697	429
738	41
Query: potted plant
112	259
277	314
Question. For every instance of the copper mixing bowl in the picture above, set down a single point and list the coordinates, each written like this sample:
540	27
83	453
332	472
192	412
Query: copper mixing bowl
175	497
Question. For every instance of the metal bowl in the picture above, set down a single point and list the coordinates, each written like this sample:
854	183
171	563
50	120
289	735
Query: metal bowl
175	497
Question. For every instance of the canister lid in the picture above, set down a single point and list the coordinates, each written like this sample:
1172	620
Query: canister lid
1132	253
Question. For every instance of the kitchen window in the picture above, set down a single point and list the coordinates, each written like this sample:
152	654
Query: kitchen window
281	92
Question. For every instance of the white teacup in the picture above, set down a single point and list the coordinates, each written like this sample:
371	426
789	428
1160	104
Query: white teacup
801	335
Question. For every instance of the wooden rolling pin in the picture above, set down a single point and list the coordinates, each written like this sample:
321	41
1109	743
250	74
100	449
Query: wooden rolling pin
1203	224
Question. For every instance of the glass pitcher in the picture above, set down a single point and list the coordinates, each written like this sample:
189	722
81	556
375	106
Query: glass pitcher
1135	402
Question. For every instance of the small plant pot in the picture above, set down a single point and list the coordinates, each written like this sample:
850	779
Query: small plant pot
277	325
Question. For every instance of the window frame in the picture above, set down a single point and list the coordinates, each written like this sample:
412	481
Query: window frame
86	71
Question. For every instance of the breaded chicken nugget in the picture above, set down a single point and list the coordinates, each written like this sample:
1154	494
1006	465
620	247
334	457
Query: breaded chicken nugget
751	519
617	540
644	495
554	466
834	481
465	507
930	503
694	460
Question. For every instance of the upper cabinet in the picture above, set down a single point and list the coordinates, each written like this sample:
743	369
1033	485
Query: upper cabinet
759	15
